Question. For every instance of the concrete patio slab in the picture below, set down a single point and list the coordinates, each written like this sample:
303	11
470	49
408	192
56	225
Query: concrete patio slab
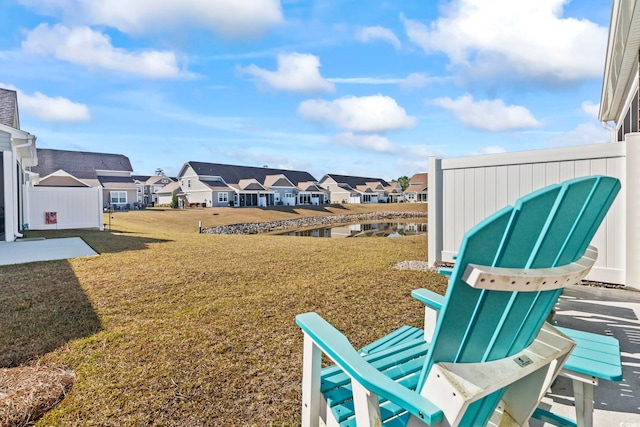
24	251
605	311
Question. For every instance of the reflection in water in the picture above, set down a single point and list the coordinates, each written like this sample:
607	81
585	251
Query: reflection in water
380	229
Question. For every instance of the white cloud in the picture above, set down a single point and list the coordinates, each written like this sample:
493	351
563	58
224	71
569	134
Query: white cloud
489	149
92	49
585	133
366	80
412	81
490	115
297	72
416	81
228	18
590	109
368	34
54	109
528	37
376	113
366	142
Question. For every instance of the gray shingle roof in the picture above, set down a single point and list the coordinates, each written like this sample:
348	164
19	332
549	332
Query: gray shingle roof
8	107
354	181
233	174
117	182
80	164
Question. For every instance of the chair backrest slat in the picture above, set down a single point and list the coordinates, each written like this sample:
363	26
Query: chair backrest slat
548	228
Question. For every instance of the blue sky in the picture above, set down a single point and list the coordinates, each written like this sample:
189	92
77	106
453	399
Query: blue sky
367	88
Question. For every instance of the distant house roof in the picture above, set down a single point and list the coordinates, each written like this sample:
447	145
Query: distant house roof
311	186
158	179
249	184
216	185
279	180
80	164
418	182
117	182
393	187
61	179
234	174
141	178
170	188
347	188
9	108
354	181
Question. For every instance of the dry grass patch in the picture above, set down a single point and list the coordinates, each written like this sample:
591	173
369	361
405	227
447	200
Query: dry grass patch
199	329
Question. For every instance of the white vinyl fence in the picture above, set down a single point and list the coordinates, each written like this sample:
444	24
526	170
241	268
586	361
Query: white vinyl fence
59	208
463	191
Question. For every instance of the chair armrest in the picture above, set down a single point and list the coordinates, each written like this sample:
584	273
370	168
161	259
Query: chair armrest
429	298
432	305
335	345
445	271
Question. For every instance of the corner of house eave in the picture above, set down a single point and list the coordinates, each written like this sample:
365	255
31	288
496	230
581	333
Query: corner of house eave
617	100
613	19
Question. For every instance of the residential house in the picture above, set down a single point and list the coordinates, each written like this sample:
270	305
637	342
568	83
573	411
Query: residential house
310	193
110	172
148	187
165	194
355	189
394	192
217	185
416	192
17	153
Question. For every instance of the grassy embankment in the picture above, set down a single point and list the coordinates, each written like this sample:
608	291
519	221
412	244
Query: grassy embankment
171	327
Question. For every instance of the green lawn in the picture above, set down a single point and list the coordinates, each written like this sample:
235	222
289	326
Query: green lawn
171	327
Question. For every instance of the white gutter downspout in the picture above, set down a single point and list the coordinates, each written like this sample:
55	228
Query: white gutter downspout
26	144
611	129
30	139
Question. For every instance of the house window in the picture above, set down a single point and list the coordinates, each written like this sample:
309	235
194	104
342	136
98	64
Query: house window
223	197
188	183
118	197
288	195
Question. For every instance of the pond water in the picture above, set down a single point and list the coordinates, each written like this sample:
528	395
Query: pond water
377	229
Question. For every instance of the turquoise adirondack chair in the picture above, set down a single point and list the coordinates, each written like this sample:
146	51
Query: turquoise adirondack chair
487	357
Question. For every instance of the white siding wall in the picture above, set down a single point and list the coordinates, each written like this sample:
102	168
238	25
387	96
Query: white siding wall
463	191
165	199
75	207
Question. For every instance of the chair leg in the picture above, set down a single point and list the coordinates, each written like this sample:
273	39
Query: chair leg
366	406
583	393
311	396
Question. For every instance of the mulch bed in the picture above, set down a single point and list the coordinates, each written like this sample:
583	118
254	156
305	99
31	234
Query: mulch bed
28	392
